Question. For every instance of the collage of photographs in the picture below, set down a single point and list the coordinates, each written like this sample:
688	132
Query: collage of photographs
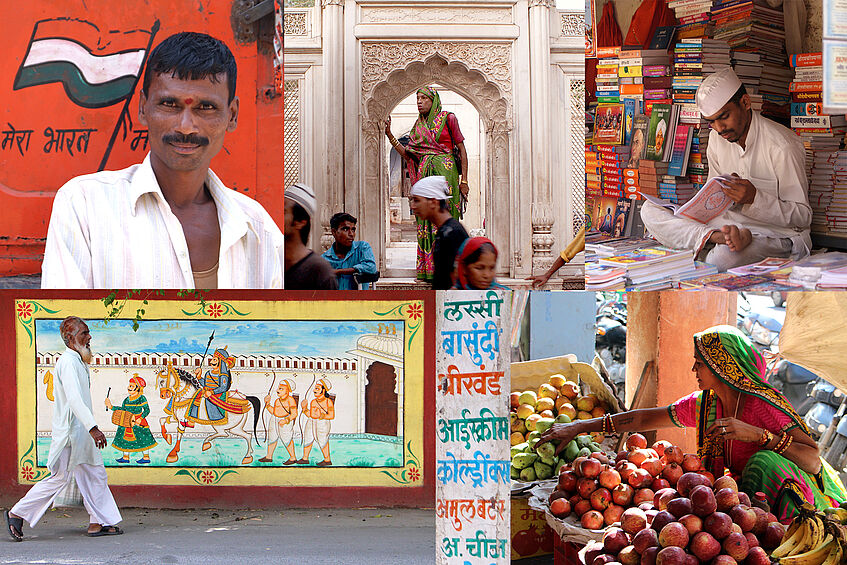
454	282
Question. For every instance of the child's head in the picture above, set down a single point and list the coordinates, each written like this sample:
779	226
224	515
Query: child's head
477	263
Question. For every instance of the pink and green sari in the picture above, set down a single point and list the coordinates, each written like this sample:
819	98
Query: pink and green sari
731	357
432	157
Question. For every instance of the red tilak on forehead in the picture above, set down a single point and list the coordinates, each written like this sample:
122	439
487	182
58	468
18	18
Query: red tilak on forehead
189	100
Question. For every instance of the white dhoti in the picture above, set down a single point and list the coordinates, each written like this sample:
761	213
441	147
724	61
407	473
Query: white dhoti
321	431
91	480
684	233
280	431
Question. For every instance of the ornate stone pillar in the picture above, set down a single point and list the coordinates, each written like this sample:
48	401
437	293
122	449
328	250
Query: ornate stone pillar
330	198
542	202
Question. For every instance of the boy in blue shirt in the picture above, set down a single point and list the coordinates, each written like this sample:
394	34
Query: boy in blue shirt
348	256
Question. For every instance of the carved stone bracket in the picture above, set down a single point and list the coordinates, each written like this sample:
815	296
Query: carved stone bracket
542	237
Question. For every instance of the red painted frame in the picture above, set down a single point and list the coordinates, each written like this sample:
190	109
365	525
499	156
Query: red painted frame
165	496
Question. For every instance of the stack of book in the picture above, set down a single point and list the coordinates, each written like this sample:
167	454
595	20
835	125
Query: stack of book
821	175
833	279
606	81
748	67
593	172
635	85
836	211
753	26
613	160
807	116
600	277
651	264
694	60
650	174
693	17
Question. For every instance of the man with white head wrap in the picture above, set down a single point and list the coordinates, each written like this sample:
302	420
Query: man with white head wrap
304	269
75	445
771	214
321	411
429	202
281	428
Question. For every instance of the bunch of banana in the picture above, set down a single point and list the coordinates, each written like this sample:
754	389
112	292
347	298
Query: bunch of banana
807	542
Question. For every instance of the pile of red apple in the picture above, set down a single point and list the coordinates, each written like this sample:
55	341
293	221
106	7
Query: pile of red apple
662	508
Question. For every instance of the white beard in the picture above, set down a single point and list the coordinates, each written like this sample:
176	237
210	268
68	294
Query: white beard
84	352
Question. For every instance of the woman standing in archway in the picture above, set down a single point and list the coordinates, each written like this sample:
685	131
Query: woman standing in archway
433	143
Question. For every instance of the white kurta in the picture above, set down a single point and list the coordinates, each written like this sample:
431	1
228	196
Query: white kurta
114	229
774	162
72	415
73	454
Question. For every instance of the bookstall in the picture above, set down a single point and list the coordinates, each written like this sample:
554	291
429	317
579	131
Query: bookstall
647	140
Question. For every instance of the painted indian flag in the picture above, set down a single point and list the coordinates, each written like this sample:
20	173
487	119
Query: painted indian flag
96	68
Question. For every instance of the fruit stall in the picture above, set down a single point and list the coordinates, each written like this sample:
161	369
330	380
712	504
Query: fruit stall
546	391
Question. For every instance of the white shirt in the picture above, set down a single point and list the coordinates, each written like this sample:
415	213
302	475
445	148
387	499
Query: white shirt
72	416
114	229
774	161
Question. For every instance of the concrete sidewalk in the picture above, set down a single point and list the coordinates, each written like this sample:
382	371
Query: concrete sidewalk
211	537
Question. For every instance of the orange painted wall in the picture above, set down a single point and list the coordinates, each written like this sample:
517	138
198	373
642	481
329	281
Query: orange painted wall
250	162
660	326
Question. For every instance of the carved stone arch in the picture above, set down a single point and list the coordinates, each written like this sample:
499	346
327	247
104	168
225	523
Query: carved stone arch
471	84
479	72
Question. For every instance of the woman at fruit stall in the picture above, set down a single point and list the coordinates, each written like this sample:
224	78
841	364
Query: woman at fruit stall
743	425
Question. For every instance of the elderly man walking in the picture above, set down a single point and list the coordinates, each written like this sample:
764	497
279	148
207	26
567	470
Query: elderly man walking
74	449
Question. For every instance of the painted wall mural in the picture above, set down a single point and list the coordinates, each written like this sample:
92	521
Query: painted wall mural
247	392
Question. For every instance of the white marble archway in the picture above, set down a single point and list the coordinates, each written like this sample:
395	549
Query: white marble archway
384	87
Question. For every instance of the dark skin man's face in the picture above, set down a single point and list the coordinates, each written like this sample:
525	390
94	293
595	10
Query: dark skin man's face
345	234
732	122
187	120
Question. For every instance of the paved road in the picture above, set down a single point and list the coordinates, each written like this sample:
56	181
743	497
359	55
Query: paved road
211	537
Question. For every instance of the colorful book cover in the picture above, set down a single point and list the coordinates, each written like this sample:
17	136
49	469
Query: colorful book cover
681	146
657	131
638	141
608	124
623	208
806	59
628	113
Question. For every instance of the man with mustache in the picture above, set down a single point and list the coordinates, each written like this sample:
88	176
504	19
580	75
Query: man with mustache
770	216
74	446
168	222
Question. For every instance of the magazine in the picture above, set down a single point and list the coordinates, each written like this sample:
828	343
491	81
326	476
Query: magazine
709	202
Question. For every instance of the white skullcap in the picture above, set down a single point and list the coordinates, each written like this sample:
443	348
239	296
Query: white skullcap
327	385
302	195
716	90
432	187
291	385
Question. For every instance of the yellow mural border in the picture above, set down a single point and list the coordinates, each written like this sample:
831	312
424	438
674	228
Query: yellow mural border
411	313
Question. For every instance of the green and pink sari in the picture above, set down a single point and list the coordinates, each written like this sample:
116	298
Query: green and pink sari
731	357
431	143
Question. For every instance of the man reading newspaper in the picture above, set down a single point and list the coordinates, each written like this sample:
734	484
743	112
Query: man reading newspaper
763	166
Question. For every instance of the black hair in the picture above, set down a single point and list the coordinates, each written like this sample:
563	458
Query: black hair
192	56
298	213
442	204
474	257
736	98
339	218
